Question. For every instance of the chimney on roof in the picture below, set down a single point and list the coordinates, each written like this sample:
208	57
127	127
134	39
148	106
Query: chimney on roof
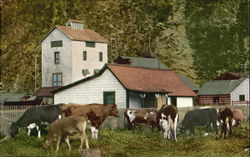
75	24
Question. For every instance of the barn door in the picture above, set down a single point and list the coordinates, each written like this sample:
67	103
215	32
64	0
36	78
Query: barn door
108	97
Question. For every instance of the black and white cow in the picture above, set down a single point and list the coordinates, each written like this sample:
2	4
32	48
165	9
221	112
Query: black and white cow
200	117
35	116
167	117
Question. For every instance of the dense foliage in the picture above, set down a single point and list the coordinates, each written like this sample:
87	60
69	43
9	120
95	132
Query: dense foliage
201	38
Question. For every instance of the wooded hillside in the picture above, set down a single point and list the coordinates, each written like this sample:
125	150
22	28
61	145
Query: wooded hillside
200	38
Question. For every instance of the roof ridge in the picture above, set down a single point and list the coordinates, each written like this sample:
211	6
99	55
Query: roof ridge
131	66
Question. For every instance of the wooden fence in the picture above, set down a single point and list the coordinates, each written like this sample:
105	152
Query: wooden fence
9	114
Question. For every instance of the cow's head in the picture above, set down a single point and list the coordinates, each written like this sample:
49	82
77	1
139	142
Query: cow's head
114	111
181	127
13	129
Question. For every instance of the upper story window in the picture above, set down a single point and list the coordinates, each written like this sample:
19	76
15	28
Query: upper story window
84	55
57	43
100	56
57	57
242	97
57	79
90	44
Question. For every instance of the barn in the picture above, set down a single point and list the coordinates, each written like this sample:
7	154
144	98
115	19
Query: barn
128	87
225	92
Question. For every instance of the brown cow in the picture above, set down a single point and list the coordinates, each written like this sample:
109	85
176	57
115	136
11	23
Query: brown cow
63	128
142	115
225	117
96	113
238	116
167	117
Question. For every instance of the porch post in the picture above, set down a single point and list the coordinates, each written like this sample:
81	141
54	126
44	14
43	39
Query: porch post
127	99
142	96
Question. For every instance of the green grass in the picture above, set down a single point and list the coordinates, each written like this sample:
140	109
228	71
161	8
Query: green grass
124	143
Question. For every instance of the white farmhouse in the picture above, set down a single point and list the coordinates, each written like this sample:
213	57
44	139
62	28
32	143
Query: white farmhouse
128	87
70	53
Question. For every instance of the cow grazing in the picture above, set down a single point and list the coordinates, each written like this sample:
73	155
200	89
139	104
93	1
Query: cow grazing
144	116
225	116
199	117
66	127
167	117
238	116
35	116
96	113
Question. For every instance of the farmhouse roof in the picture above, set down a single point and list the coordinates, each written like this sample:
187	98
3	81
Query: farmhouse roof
188	82
143	80
45	91
231	76
218	87
80	35
153	63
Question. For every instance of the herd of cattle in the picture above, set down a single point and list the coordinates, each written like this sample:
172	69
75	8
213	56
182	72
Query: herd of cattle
76	117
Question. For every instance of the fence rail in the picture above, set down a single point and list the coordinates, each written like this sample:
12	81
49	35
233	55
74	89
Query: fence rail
9	114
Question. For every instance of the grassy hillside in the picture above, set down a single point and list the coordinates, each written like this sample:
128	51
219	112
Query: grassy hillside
123	143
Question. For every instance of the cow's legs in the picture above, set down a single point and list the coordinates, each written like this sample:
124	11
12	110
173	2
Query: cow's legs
67	141
39	131
29	130
58	143
94	132
175	126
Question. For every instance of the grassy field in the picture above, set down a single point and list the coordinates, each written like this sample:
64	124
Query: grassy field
124	143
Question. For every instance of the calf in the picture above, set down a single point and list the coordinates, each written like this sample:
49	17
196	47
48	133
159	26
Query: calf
63	128
167	117
199	117
96	113
144	116
225	116
35	116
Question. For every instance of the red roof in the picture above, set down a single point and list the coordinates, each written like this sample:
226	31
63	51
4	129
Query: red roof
82	35
45	91
150	80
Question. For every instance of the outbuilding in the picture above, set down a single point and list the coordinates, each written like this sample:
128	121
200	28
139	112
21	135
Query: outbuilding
128	87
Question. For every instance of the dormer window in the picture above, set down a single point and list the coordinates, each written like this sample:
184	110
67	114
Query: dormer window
90	44
57	43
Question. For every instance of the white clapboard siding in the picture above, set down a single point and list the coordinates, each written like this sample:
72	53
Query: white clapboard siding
91	91
184	102
241	89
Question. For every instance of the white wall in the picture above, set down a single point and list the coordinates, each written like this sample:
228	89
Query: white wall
48	63
241	89
92	90
92	61
184	102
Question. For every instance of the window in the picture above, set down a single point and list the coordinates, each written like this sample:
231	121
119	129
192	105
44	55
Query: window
85	72
108	97
56	43
242	97
57	57
100	56
57	79
173	100
216	100
84	55
96	71
90	44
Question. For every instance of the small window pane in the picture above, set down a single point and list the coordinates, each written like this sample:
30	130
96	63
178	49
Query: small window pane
57	57
100	56
56	43
90	44
84	54
242	97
